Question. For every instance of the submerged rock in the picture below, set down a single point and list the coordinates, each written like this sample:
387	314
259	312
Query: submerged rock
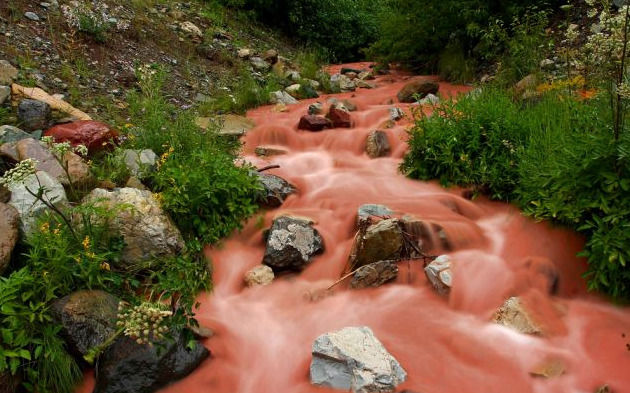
291	244
440	275
367	211
314	123
381	241
374	275
339	117
139	368
515	316
354	359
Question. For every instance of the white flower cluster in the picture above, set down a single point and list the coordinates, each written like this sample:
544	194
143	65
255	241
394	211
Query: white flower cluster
146	72
605	46
98	12
143	323
19	173
60	149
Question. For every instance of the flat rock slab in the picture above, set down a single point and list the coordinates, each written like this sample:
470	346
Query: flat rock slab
354	359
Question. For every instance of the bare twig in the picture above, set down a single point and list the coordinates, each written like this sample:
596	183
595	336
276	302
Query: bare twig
268	167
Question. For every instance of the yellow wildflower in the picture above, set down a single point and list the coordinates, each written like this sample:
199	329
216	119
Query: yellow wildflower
105	266
86	242
44	227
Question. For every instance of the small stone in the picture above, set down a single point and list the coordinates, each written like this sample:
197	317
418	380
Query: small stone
547	63
281	97
276	190
366	75
377	144
429	99
348	105
550	368
368	211
140	163
270	56
342	83
514	315
260	65
32	16
134	182
261	275
294	90
440	274
244	53
374	275
191	29
292	75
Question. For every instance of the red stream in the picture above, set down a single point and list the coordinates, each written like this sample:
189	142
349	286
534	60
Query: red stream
263	336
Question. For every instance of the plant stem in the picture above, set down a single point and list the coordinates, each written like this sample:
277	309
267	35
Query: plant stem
620	77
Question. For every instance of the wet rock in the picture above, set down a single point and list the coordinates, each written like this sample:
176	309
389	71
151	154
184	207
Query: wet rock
514	315
314	123
396	114
140	162
130	367
368	211
374	275
96	136
339	118
377	144
417	88
276	190
33	114
342	83
291	244
261	275
8	73
550	368
282	97
270	56
191	30
316	108
603	389
429	235
148	232
12	134
440	274
88	319
429	99
381	241
266	151
9	234
29	207
5	94
259	64
354	359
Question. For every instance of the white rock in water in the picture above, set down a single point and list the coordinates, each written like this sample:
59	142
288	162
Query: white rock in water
353	359
440	274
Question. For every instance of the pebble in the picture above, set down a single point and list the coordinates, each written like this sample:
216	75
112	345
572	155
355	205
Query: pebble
32	16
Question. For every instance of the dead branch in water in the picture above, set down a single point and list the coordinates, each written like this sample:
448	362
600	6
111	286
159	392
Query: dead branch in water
268	167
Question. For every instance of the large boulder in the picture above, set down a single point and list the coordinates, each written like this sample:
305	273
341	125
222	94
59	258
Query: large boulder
127	366
419	88
28	206
148	232
377	144
94	135
46	161
354	359
314	123
34	114
12	134
342	83
440	275
9	234
88	319
515	315
291	244
381	241
339	117
374	275
276	190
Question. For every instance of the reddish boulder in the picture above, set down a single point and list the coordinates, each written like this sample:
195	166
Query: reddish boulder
339	117
314	123
419	88
94	135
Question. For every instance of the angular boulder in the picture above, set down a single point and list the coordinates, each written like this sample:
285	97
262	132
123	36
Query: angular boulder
381	241
514	315
9	234
276	190
440	275
353	359
342	83
316	108
94	135
377	144
314	123
148	232
291	244
88	319
34	114
261	275
130	367
31	208
419	87
374	275
339	118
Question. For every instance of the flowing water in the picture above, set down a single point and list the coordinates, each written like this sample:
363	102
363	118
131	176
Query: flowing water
263	336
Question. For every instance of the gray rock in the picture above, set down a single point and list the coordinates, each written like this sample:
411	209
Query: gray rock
291	244
377	144
514	315
440	274
259	64
292	75
8	73
88	319
374	275
429	99
148	232
130	367
342	83
32	16
381	241
276	190
9	234
140	163
367	211
29	207
33	149
316	108
354	359
261	275
12	134
282	97
33	114
5	94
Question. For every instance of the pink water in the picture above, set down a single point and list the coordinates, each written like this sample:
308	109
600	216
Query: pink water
446	344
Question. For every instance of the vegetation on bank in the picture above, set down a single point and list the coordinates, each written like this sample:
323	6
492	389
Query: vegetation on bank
554	151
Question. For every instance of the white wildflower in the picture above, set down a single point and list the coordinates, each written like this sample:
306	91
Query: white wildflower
19	173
